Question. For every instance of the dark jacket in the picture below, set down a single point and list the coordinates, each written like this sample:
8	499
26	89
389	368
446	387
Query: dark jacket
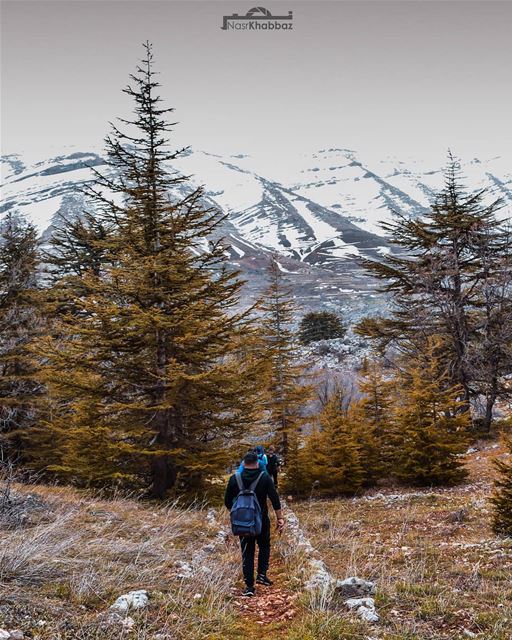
265	489
273	462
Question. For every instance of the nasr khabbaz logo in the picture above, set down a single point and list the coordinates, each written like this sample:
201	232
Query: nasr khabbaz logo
256	19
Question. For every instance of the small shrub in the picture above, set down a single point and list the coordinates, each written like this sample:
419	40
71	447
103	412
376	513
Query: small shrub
321	325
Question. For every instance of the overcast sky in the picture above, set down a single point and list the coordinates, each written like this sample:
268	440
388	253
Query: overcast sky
405	78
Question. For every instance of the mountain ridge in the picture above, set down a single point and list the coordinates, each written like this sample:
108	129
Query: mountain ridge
318	214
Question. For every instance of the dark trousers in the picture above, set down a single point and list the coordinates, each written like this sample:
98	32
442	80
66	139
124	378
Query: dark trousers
274	477
248	544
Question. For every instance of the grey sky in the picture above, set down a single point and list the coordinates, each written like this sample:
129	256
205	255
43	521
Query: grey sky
406	78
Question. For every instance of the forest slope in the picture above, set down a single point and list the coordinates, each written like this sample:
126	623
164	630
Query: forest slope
440	572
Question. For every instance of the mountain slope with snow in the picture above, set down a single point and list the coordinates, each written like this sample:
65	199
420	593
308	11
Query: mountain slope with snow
319	212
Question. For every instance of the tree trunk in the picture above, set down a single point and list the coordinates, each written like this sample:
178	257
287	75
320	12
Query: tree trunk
164	476
490	400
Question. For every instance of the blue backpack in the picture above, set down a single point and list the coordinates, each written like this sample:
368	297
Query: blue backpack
246	511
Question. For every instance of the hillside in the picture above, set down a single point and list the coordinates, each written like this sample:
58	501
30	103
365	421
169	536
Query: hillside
318	211
439	572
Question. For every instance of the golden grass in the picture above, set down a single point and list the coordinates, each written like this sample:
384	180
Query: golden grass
441	574
440	571
61	572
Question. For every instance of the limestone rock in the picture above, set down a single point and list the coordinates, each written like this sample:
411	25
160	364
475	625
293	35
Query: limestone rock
132	600
319	577
184	570
364	607
354	587
368	615
355	603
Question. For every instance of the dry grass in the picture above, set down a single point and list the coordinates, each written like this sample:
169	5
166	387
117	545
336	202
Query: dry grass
60	571
440	572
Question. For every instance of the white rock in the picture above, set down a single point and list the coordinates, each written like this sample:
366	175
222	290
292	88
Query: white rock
222	536
132	600
16	634
355	603
319	577
355	587
185	570
197	596
4	635
121	605
128	623
369	615
364	607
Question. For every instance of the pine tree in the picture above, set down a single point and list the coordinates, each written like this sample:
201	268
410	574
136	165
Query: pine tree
287	392
490	353
151	364
502	497
320	325
372	417
335	457
78	245
297	473
20	323
433	431
438	287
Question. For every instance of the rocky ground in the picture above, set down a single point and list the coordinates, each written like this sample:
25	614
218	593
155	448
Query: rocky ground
440	573
389	565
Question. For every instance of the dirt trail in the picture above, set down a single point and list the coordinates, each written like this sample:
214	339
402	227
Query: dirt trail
270	604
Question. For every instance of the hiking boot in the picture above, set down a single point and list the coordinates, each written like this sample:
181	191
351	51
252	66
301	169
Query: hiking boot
249	592
261	578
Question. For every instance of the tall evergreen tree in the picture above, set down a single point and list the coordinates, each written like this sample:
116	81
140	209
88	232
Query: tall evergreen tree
336	465
20	323
297	479
78	245
377	390
287	391
490	354
437	284
372	419
502	497
433	432
151	358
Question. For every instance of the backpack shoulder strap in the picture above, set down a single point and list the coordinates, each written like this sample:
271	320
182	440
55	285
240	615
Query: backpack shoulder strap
239	482
255	483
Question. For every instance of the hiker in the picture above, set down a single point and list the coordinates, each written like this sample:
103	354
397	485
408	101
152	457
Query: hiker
273	464
252	477
262	459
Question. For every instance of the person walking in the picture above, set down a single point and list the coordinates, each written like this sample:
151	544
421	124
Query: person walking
273	464
263	486
262	459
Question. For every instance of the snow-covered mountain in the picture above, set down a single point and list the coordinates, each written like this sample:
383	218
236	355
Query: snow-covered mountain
318	212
